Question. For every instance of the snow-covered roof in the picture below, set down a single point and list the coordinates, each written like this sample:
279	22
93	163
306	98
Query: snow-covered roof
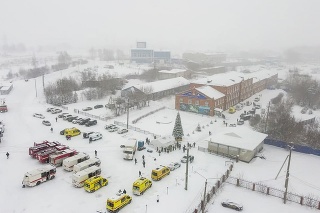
173	71
210	92
163	85
233	77
163	141
239	137
221	79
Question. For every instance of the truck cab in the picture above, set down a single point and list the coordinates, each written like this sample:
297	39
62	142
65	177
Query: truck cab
159	173
141	185
94	183
116	203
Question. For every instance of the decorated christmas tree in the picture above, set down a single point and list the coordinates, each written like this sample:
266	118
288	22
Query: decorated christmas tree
177	130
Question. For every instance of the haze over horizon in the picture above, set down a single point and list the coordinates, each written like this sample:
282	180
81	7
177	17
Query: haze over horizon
180	25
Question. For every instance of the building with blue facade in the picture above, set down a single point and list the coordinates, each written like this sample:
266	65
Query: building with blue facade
141	54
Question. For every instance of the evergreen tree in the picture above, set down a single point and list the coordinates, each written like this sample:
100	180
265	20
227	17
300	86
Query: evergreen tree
177	130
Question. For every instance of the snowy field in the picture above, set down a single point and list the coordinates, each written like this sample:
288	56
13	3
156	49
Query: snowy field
59	195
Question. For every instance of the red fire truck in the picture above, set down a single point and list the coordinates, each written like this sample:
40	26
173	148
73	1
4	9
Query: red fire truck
57	158
41	146
43	156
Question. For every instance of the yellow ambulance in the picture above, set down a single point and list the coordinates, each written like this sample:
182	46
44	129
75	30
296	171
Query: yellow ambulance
94	183
72	132
159	173
141	185
116	203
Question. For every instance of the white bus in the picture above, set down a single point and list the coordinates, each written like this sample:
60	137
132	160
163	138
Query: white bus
86	164
79	178
68	163
37	176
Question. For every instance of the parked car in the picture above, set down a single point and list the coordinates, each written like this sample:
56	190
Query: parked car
56	110
240	122
184	159
63	114
86	134
46	123
65	117
49	109
113	129
310	112
173	166
122	131
304	110
246	117
248	103
232	125
232	110
141	148
98	106
75	121
108	126
70	119
239	107
87	109
95	136
256	99
91	123
38	115
84	121
232	205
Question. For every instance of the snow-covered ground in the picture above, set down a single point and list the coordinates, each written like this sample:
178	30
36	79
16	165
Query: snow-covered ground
59	195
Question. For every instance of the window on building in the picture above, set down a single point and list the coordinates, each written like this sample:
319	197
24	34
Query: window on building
181	100
189	101
197	103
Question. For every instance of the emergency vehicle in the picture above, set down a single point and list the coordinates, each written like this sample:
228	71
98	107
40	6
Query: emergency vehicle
41	146
58	157
43	155
79	178
37	176
86	164
72	132
114	204
94	183
68	163
141	185
159	173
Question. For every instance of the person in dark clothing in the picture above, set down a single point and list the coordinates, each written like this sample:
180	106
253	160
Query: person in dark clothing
144	164
7	154
124	191
142	157
95	153
139	173
135	161
51	129
56	119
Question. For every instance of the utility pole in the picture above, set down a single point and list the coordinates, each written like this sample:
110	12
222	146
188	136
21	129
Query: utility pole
128	114
35	86
265	127
204	196
287	176
187	166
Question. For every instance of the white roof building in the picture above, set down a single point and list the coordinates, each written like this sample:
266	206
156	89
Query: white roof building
237	141
210	92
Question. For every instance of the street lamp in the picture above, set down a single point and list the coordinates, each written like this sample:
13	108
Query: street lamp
205	190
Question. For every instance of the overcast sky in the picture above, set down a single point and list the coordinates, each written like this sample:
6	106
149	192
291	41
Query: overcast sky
201	25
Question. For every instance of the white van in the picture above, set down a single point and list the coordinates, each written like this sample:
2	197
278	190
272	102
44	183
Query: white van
79	178
86	164
95	136
68	163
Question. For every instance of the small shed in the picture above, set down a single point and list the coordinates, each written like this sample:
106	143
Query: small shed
239	141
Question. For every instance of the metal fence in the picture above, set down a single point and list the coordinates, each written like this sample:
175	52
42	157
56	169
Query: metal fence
297	148
209	194
136	129
92	116
309	201
149	113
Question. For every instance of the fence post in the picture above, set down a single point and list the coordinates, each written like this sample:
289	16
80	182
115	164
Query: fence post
301	200
218	183
268	190
228	173
238	182
254	187
223	178
213	190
